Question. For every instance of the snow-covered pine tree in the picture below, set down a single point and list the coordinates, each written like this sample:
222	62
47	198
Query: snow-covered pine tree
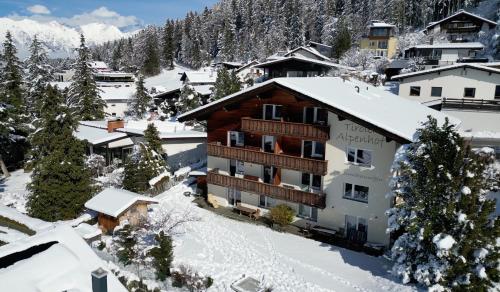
342	38
139	105
39	73
5	132
151	56
61	184
188	100
143	164
168	45
84	96
10	74
152	137
163	255
448	234
126	245
226	83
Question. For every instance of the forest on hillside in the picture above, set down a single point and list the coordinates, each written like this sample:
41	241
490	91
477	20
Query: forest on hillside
244	30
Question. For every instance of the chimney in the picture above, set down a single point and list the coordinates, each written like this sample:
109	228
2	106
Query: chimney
99	280
114	124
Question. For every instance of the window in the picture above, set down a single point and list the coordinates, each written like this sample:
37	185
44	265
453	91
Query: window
266	202
315	115
436	91
308	212
414	90
497	92
359	156
356	192
313	149
382	44
236	138
469	92
272	112
311	182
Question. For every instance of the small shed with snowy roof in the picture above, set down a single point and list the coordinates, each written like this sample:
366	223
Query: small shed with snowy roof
116	205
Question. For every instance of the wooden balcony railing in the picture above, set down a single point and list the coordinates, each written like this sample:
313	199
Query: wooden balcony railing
273	191
313	166
279	128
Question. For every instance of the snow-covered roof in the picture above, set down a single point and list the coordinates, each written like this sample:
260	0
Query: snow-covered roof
113	202
304	59
87	231
471	45
64	266
114	74
98	65
380	24
118	92
97	136
376	107
310	50
432	24
445	68
203	89
249	64
477	124
200	77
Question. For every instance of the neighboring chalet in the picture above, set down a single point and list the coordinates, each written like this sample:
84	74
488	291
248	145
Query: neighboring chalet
307	52
201	82
323	49
228	65
55	259
462	26
436	55
248	71
459	81
298	66
114	206
116	138
469	92
323	146
381	39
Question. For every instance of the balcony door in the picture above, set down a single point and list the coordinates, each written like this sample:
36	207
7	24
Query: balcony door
236	167
235	139
356	228
269	174
315	115
233	196
268	143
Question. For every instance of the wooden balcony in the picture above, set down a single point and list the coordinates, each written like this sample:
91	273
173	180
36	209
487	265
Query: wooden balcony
279	128
273	191
252	155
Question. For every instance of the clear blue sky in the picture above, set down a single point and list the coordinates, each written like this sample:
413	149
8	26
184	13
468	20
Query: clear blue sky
146	11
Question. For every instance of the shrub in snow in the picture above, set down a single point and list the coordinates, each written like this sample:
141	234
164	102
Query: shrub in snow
95	163
448	236
163	255
126	245
184	276
282	215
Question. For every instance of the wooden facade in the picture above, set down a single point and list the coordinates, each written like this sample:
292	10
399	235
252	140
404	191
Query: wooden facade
313	166
133	214
251	185
279	128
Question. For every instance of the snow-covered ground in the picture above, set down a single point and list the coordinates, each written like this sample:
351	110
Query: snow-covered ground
226	250
13	190
167	80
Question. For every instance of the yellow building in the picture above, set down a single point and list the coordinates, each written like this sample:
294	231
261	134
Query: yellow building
381	40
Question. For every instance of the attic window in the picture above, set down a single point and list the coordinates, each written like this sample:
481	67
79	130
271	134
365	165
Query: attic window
469	92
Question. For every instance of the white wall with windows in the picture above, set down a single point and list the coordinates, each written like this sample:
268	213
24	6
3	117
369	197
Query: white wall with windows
455	83
356	185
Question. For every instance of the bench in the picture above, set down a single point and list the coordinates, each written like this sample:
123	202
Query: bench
248	210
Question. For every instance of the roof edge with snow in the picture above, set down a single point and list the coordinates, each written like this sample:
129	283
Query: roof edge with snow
446	68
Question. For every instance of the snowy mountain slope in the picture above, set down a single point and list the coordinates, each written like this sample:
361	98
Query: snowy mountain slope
59	39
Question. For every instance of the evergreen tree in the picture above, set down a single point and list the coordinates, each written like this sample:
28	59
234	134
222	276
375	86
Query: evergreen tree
142	165
84	96
168	44
188	100
151	65
10	75
152	137
39	74
449	238
342	41
60	182
126	243
226	84
138	107
163	255
5	134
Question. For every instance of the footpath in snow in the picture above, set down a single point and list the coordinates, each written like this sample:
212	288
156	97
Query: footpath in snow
226	250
